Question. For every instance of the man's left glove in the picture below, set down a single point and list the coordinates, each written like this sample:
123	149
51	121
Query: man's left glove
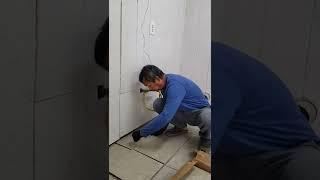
136	136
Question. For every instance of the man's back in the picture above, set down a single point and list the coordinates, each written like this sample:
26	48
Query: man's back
194	98
253	109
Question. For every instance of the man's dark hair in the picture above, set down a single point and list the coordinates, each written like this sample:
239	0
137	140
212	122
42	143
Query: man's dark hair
150	73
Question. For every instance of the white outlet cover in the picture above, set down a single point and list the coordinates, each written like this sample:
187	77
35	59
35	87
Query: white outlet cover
152	28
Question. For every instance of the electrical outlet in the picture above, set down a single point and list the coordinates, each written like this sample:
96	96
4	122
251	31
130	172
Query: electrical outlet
152	28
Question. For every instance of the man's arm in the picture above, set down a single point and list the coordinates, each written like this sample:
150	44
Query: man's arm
175	95
227	98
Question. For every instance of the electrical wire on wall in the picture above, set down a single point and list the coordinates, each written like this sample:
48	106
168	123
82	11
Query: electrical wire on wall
146	54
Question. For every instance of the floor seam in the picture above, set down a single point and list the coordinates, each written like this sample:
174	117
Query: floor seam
166	163
163	164
177	151
124	146
148	156
141	153
115	176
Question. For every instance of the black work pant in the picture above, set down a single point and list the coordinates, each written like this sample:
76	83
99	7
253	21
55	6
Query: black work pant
298	163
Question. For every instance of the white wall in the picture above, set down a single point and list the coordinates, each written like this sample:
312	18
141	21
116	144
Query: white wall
114	69
164	50
196	56
166	45
139	48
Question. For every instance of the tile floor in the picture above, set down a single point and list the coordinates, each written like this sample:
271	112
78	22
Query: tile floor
154	158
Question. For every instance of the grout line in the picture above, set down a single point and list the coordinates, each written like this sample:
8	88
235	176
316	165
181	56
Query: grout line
158	171
115	176
148	156
36	42
176	153
165	164
161	169
53	97
124	146
140	153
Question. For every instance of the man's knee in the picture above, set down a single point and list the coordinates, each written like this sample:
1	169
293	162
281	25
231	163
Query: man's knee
205	117
158	105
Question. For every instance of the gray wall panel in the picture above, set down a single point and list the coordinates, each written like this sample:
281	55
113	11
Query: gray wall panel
285	40
62	56
16	139
16	92
216	19
71	131
312	88
241	24
61	138
96	14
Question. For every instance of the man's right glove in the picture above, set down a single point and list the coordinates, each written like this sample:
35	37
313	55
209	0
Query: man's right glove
136	136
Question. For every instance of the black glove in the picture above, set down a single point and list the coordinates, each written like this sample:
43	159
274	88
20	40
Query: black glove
136	136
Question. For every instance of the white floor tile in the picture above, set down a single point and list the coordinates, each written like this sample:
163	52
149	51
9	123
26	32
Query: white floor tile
161	148
165	173
130	165
185	153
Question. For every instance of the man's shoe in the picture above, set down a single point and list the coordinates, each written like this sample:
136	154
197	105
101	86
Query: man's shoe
205	145
176	131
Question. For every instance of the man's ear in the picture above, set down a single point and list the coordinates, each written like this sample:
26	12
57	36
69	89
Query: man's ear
158	79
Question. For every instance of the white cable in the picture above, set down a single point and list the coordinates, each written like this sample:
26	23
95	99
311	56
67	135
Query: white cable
143	35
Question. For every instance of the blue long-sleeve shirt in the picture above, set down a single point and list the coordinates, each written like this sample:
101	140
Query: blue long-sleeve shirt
253	111
180	94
